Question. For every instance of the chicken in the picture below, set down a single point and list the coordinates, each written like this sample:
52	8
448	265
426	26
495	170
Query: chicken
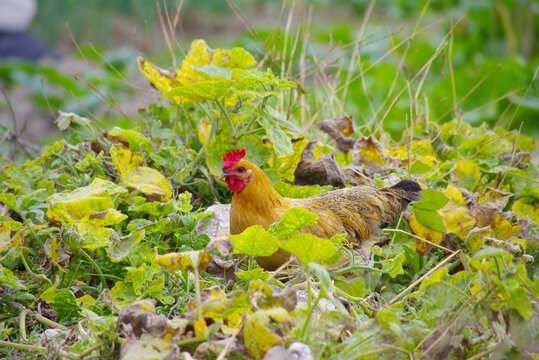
359	212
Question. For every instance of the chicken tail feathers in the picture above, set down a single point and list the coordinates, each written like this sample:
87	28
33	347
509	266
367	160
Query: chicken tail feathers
413	190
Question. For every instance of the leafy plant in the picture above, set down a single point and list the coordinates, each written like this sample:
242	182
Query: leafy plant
100	249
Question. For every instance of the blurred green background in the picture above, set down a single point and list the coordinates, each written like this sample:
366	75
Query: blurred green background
476	60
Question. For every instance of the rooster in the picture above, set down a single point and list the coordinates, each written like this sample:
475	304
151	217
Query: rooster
359	212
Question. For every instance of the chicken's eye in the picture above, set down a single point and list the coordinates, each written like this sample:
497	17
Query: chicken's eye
241	169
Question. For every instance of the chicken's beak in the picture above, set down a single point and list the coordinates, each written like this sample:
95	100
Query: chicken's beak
225	173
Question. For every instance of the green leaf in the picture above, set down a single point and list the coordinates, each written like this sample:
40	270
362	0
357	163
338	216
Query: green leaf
256	151
140	277
9	279
137	141
159	209
308	248
281	120
292	222
466	174
256	273
56	147
206	90
518	300
123	293
215	149
281	142
385	317
430	219
21	178
89	160
322	274
68	207
64	120
432	200
241	57
66	305
474	238
490	252
142	178
420	168
254	241
354	287
435	278
213	71
9	200
120	247
393	266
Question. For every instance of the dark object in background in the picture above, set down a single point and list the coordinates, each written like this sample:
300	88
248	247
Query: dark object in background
21	45
325	171
15	41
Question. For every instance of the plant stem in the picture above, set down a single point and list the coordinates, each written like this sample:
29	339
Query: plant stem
353	268
225	113
69	165
48	322
97	269
22	324
430	272
27	267
310	304
197	293
87	352
191	341
213	128
34	349
31	228
38	317
247	130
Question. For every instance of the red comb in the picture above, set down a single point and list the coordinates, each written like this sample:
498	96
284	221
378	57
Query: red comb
232	157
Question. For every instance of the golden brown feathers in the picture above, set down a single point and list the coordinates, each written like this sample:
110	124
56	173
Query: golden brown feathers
359	212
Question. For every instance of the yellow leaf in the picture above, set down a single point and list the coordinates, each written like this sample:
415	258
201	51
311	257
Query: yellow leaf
423	232
18	238
93	230
424	149
144	305
201	330
85	301
214	302
429	160
503	228
184	261
55	253
161	79
134	175
199	54
434	278
494	198
68	207
6	242
466	173
49	294
203	131
370	149
259	337
176	327
453	193
525	207
457	219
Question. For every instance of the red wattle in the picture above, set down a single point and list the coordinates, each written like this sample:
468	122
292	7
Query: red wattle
235	185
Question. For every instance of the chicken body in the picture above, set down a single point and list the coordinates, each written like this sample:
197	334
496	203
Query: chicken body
359	212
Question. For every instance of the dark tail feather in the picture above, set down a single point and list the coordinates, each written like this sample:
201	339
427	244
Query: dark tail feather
413	190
